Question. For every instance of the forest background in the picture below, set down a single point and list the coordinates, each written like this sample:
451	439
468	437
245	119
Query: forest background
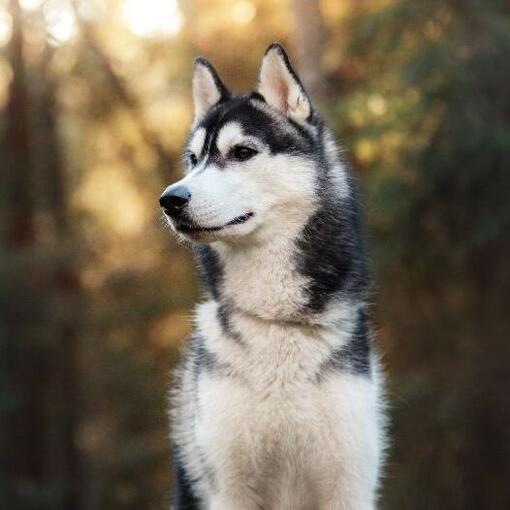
96	295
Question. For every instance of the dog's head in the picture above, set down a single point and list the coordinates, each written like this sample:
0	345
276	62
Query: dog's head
251	160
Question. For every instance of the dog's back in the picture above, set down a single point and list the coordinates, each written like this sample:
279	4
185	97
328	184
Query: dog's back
277	402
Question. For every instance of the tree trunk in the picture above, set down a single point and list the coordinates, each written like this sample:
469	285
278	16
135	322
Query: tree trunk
39	460
61	456
309	40
19	222
21	370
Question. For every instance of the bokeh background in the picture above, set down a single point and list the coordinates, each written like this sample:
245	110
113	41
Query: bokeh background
96	296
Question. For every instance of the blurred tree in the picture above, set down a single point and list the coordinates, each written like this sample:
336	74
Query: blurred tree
95	295
429	119
122	93
19	222
309	42
21	409
63	292
39	341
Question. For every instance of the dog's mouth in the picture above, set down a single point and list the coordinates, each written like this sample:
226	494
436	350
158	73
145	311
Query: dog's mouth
193	228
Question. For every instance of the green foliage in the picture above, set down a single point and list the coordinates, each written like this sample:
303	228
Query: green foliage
441	69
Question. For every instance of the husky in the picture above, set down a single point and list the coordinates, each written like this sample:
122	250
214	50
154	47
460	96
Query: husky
277	404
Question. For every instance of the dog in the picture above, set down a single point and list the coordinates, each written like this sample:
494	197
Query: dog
278	402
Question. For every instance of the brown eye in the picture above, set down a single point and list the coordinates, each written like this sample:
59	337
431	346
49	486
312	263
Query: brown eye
241	153
193	160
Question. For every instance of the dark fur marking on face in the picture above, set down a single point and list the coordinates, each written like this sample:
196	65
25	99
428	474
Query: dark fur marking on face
254	122
304	132
354	356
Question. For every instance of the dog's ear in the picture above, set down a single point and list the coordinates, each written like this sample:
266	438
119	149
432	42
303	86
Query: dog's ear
208	89
281	87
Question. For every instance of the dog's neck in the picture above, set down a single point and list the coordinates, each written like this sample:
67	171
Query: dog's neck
263	279
260	277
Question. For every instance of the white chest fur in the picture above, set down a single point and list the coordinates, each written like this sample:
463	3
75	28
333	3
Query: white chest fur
272	434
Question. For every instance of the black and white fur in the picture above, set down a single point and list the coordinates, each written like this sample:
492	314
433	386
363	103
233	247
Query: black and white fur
277	403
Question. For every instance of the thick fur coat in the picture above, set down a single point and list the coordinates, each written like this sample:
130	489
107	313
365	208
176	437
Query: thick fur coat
277	402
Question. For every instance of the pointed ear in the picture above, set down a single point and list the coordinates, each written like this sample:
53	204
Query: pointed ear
281	87
208	89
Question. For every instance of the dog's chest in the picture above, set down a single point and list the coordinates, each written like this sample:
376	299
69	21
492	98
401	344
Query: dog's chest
276	409
287	439
263	411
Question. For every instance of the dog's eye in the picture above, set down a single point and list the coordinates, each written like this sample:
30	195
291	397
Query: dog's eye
241	153
192	158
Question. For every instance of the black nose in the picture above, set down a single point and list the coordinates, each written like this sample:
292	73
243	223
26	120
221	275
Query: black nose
174	200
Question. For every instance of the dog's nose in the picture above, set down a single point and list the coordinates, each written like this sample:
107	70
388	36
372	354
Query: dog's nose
174	200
